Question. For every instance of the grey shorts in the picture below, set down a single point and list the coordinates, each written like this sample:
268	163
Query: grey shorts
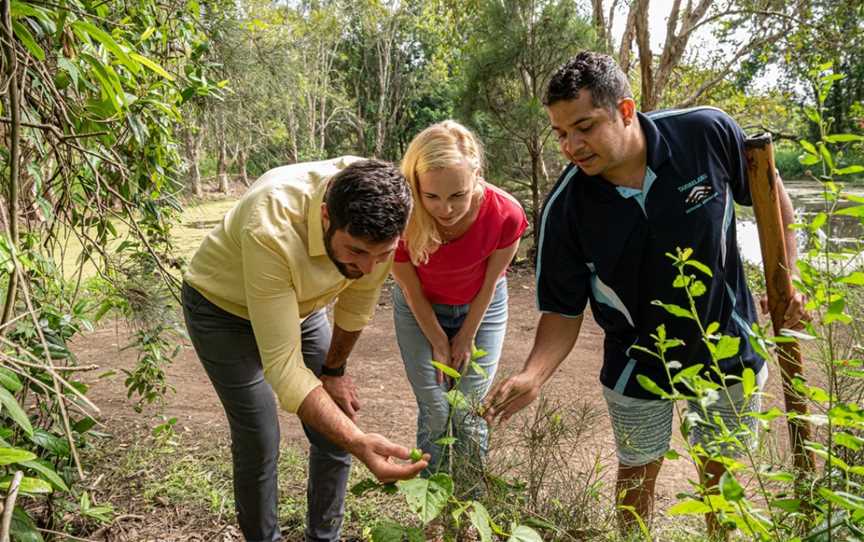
643	427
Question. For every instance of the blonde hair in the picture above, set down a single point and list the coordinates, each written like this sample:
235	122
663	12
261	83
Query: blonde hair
442	145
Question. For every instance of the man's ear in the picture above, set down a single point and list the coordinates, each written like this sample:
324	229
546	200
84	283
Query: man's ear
627	110
325	216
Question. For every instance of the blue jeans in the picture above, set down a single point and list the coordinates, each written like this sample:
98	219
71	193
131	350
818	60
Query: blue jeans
470	430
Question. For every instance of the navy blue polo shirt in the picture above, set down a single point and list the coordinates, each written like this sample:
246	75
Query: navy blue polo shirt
607	245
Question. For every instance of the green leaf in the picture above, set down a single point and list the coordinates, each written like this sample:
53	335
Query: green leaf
447	370
807	146
446	441
856	278
153	66
457	399
479	369
54	444
850	170
769	415
33	486
48	473
523	533
688	507
481	520
364	486
697	288
843	138
856	211
726	347
390	531
674	310
700	266
787	505
83	425
848	440
649	385
23	528
105	39
427	497
730	488
26	38
9	456
808	160
841	498
748	382
10	380
15	411
687	373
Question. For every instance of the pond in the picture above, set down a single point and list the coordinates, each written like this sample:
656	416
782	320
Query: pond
807	198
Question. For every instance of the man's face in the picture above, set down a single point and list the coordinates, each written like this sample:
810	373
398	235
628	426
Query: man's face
591	137
354	256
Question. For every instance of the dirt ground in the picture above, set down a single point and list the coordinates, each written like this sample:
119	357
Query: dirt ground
388	405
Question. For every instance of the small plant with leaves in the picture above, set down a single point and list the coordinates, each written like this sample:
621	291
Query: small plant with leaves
436	497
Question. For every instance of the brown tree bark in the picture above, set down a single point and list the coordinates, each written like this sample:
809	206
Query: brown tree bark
222	155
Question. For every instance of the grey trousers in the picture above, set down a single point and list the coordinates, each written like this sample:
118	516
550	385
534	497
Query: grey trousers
226	346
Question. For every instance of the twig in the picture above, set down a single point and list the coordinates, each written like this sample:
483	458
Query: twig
13	366
54	376
9	507
53	373
99	532
65	535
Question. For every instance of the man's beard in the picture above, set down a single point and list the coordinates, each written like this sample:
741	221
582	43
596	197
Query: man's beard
342	267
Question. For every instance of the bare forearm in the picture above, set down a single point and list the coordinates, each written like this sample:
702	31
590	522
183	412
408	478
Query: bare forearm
341	345
553	341
320	412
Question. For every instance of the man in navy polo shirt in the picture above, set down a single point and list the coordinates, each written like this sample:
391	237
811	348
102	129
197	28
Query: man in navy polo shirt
640	186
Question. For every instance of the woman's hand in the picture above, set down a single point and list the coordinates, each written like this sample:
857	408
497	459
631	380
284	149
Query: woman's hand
460	350
441	354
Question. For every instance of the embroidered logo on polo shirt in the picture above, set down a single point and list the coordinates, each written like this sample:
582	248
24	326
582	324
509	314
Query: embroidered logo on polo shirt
698	194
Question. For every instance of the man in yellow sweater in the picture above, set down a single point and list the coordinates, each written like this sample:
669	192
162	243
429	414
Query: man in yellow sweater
254	300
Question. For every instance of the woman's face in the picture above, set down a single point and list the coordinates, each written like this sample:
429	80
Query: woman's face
446	193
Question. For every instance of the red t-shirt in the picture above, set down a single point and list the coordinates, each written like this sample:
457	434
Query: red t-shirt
454	273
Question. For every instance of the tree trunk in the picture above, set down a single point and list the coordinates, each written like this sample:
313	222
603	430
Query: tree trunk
241	159
535	150
222	163
646	58
193	146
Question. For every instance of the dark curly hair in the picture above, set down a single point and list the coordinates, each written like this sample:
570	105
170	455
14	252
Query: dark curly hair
370	200
595	72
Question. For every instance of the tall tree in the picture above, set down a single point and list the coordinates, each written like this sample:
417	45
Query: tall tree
741	29
515	47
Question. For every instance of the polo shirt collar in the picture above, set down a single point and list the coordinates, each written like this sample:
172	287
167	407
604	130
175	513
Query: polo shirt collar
657	148
313	218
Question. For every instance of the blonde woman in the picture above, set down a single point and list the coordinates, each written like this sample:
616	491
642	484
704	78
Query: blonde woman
451	289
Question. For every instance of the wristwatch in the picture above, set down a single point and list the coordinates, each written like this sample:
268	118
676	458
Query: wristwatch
333	371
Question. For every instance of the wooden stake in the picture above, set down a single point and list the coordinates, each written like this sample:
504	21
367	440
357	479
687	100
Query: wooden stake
778	283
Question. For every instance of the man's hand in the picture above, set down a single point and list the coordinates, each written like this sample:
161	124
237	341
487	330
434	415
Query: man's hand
510	396
343	392
377	453
796	313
